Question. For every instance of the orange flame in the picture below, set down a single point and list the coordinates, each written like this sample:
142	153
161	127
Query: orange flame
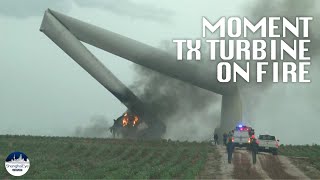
125	120
135	121
129	120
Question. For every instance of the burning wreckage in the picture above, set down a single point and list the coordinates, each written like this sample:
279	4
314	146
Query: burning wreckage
137	121
126	125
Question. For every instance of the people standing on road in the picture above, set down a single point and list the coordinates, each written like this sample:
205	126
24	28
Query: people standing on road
215	137
231	133
225	137
230	149
254	150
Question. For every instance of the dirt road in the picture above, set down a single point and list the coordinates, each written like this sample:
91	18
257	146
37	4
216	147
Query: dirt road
267	166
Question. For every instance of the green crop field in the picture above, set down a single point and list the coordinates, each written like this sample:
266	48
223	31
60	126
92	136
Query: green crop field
98	158
68	157
304	157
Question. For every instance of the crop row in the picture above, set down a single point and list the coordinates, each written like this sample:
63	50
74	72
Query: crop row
307	153
62	157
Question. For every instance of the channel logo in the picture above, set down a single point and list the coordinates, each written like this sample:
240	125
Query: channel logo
17	164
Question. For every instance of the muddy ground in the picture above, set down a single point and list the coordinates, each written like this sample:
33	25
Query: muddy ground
268	166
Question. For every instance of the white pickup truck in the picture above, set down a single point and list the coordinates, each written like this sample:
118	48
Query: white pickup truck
268	143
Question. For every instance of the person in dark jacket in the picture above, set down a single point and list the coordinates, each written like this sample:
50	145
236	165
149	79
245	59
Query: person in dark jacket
230	149
215	137
225	138
254	150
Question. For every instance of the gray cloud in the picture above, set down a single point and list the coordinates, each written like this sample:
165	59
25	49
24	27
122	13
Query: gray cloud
25	9
130	8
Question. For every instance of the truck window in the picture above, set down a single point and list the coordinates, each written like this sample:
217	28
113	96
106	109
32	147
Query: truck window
241	133
267	137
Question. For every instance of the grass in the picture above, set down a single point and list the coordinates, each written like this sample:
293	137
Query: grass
305	157
93	158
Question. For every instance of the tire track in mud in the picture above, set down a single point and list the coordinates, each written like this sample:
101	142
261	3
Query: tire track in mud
260	170
279	167
267	167
226	169
243	168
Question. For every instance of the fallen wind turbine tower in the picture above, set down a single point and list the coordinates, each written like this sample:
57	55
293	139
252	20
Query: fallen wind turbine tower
67	33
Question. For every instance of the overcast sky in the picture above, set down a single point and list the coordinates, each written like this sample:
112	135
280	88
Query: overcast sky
44	92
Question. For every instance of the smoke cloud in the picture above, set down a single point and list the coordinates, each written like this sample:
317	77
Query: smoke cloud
189	112
97	127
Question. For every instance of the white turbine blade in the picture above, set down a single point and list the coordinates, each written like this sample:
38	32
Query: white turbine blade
61	36
145	55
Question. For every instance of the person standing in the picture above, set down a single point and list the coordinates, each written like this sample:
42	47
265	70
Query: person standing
230	149
225	137
254	150
231	133
215	137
